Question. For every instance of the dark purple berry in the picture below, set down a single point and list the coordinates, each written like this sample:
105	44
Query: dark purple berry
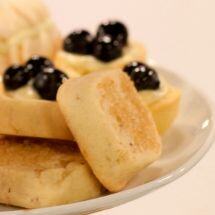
79	42
106	49
47	83
15	77
114	29
143	76
36	64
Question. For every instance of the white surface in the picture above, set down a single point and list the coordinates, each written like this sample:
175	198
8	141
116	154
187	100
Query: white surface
179	34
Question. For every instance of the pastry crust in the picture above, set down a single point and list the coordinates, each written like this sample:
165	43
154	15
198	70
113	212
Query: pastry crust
114	129
40	173
26	29
165	110
32	118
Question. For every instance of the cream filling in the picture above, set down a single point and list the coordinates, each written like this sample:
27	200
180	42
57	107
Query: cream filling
17	38
25	92
84	64
148	96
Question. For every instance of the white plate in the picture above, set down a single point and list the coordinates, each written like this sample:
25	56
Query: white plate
184	145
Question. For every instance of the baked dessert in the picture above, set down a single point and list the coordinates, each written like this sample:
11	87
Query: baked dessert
23	106
40	173
166	109
113	128
113	124
111	49
161	97
27	97
26	29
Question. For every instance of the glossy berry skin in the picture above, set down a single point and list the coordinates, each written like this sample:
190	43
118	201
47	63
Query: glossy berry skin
114	29
79	42
106	49
15	77
47	83
144	77
36	64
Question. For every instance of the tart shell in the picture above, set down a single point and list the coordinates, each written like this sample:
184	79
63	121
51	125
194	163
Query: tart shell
32	118
165	110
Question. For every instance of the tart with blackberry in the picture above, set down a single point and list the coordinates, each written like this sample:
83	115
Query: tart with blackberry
109	48
161	97
28	100
112	49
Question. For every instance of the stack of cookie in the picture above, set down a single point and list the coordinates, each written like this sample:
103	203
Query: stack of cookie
79	116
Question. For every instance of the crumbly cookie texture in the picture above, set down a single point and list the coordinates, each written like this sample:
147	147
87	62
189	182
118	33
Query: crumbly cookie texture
26	29
114	129
38	173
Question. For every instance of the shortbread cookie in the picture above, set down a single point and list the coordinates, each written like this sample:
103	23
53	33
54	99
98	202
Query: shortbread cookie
113	128
26	29
39	173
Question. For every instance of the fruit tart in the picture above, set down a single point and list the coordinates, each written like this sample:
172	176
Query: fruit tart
28	106
112	114
111	49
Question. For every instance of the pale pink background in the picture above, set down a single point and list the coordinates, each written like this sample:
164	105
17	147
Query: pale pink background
179	34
